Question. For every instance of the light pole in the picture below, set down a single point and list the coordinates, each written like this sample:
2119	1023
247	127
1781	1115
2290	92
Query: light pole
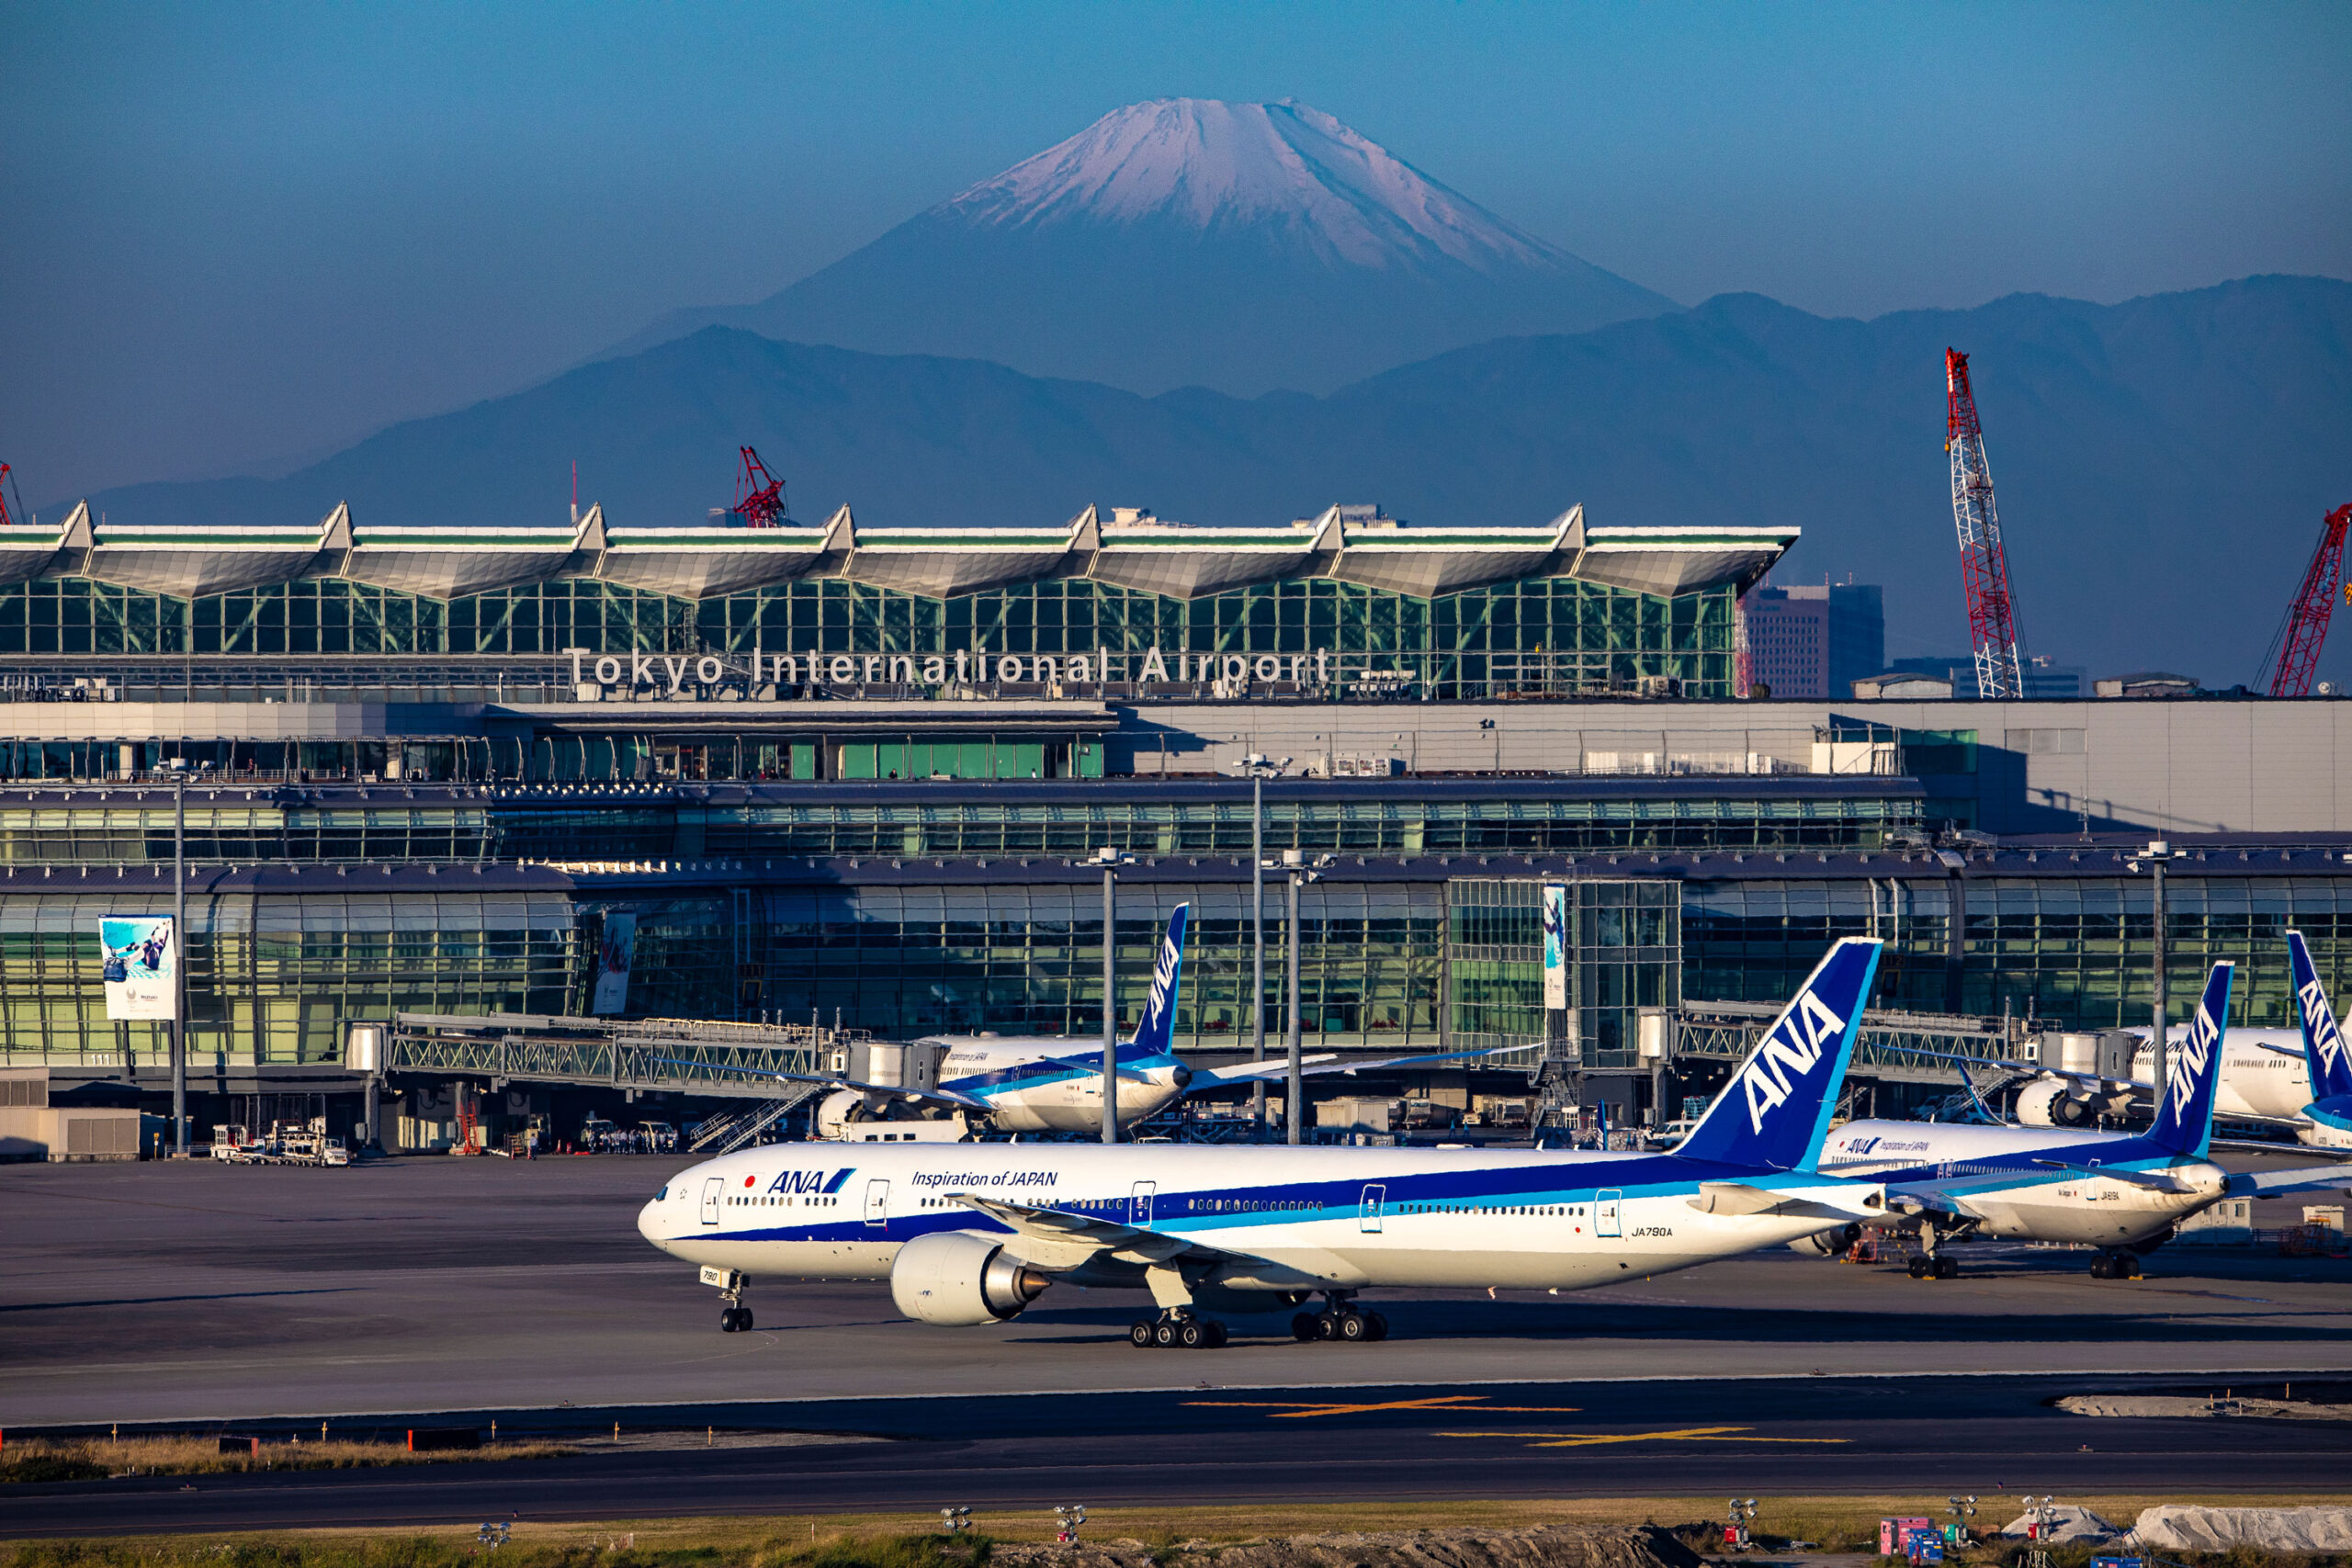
179	965
1260	768
1109	860
2154	857
1295	868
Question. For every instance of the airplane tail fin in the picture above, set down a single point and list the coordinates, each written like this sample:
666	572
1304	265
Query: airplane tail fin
2183	1123
1775	1111
1155	1032
2324	1051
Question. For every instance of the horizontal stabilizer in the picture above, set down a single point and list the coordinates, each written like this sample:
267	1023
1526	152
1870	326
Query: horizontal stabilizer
2153	1181
2285	1183
1739	1198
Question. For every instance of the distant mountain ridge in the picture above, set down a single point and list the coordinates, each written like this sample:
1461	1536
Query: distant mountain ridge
2163	464
1190	242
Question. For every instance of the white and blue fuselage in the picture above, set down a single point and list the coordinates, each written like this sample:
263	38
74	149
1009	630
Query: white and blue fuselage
1326	1218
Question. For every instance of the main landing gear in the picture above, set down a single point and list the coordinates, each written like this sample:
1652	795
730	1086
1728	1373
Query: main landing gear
2116	1264
1934	1266
1176	1331
1339	1320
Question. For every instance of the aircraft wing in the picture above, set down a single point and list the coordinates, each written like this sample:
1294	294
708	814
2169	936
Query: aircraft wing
1925	1198
2255	1146
1739	1198
2284	1183
921	1095
2097	1079
1068	1239
1327	1062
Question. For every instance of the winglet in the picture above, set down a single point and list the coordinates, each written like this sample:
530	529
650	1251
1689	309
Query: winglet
2324	1053
2184	1123
1156	1030
1775	1111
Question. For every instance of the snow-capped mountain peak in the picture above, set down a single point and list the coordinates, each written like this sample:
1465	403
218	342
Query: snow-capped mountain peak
1207	165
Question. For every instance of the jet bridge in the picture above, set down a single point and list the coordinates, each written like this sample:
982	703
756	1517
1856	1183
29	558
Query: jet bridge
677	1056
1893	1046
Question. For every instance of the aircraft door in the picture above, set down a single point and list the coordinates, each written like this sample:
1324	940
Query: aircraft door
1139	1202
710	1186
1605	1207
878	1203
1376	1199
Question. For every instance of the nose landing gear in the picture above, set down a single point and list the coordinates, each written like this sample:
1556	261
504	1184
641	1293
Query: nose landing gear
735	1318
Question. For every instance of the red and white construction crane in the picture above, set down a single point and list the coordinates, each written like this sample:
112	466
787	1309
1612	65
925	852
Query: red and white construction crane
1984	565
759	495
2305	632
7	485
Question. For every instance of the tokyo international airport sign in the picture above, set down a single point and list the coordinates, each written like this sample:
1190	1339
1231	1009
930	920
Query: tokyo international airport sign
142	965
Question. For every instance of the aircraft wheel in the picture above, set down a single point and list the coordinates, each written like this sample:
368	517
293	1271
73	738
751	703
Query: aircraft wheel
1217	1335
2131	1269
726	1320
1191	1335
1376	1327
2102	1268
1163	1334
1919	1268
1327	1325
1306	1327
1354	1328
742	1319
1139	1334
1947	1268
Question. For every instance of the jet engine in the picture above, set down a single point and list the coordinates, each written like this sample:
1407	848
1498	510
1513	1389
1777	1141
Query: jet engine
1830	1243
2054	1102
962	1279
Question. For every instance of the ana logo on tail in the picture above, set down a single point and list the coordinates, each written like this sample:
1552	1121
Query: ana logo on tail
1792	1047
2323	1043
1156	1029
2189	1067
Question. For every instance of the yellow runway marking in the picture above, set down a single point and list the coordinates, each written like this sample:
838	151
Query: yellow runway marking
1685	1434
1293	1410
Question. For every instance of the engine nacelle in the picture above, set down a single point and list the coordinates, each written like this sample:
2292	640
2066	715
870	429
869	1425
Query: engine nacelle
1830	1243
961	1279
2053	1102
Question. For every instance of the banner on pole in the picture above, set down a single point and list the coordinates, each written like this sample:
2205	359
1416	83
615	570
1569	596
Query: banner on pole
142	966
616	951
1556	947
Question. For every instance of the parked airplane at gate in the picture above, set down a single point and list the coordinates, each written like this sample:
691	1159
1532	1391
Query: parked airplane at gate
2124	1192
2326	1120
973	1234
2271	1077
1054	1083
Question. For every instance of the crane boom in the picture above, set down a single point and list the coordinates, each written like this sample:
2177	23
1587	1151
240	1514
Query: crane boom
759	495
1983	564
2305	631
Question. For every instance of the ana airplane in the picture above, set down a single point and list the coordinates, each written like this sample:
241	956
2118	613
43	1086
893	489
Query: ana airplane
974	1233
1049	1083
2269	1077
2326	1120
2124	1192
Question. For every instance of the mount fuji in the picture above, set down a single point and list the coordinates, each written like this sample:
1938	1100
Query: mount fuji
1188	242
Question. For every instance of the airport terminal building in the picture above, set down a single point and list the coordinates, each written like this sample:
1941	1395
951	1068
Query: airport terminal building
843	773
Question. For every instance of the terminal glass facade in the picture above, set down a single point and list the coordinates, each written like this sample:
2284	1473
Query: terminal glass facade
1556	636
223	829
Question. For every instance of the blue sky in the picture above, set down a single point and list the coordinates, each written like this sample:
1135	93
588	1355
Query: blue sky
235	233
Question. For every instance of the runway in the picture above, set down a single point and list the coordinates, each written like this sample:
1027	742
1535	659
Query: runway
1207	1445
436	1291
159	1292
